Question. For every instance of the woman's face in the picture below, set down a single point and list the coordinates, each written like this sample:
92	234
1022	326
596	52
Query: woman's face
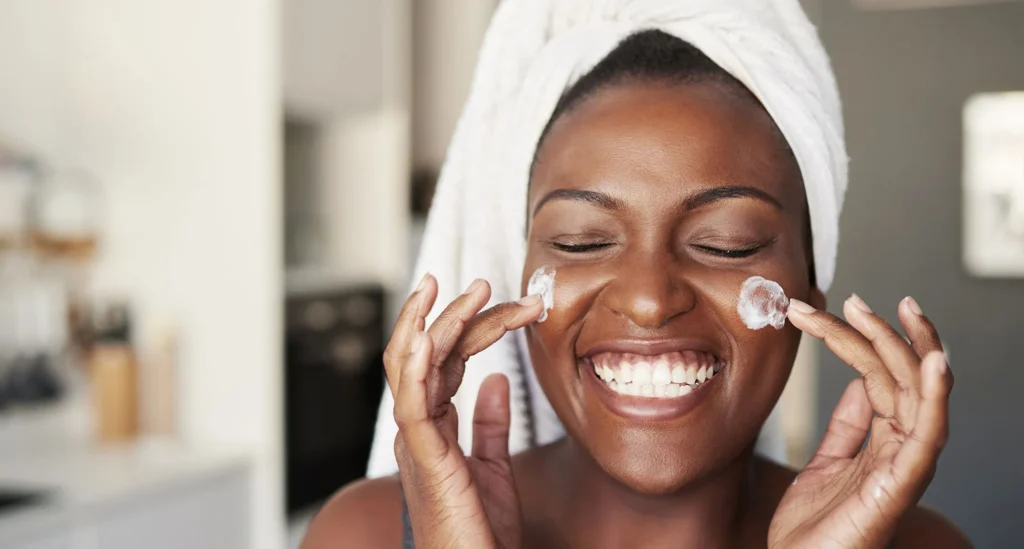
654	202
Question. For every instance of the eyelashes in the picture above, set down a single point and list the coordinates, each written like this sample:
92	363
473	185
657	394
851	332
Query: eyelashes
727	253
580	248
730	253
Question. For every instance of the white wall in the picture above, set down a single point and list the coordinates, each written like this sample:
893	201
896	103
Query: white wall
362	151
174	106
448	34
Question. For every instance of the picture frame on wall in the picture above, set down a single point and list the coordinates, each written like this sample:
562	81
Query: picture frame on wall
993	185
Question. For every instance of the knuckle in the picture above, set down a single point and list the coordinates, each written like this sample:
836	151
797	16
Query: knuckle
391	356
832	323
403	415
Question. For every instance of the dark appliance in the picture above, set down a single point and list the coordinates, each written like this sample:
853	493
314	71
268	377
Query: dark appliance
334	376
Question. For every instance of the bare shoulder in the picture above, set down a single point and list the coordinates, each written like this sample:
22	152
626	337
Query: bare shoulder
924	528
365	514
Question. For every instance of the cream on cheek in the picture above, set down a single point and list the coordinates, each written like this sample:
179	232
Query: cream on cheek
542	283
762	303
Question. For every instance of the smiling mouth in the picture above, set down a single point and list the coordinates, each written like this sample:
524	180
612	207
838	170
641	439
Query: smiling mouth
662	376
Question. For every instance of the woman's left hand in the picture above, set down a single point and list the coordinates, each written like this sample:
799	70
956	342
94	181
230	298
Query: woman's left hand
853	494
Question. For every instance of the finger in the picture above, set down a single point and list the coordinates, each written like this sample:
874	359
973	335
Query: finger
479	333
410	322
450	324
852	347
916	458
491	419
422	438
486	328
920	331
896	354
849	425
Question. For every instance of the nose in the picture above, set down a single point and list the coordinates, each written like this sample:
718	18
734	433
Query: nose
649	294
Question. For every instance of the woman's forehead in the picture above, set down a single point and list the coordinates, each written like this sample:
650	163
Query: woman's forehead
657	140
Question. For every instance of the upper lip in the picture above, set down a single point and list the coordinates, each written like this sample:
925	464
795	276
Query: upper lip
648	347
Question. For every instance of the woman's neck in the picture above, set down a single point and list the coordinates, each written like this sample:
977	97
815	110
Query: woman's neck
596	510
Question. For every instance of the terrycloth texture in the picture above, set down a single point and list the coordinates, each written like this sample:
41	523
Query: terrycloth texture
533	51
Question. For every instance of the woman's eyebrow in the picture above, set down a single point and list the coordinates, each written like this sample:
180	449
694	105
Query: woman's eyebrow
593	197
714	194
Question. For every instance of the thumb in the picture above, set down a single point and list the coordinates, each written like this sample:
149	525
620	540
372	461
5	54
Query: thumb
491	419
849	425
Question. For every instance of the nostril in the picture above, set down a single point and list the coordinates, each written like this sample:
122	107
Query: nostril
649	297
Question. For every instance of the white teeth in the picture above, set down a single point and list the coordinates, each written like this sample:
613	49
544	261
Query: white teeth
662	374
642	373
625	374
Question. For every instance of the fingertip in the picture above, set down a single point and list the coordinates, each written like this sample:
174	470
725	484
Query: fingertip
427	295
801	316
912	306
530	301
800	307
496	381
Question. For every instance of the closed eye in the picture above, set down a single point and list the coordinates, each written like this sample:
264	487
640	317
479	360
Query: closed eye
730	253
580	248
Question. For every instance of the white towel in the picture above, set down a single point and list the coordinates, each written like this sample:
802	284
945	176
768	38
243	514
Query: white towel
533	51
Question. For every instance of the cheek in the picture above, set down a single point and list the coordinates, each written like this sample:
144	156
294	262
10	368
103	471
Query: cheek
574	291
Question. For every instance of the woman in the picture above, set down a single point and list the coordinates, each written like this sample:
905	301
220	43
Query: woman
657	185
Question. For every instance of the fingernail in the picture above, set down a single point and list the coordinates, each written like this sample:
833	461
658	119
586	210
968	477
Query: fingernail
913	306
857	302
800	307
474	286
530	300
423	283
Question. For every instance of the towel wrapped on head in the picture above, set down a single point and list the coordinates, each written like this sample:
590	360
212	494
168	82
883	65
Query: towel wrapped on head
533	52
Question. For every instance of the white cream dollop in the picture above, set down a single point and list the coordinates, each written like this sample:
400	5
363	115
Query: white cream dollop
762	302
542	283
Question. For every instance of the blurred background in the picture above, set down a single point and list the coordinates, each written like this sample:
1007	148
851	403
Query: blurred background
209	212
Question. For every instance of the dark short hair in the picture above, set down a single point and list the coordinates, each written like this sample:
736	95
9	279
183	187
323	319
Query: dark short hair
650	55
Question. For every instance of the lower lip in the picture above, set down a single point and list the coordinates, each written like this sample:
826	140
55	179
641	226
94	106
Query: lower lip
637	408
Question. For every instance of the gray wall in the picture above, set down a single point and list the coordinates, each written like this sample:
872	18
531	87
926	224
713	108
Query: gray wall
904	77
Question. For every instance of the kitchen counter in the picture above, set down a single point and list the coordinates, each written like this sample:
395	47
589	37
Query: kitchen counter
85	485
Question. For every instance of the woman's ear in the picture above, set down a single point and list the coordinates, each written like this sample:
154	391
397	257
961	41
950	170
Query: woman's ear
817	299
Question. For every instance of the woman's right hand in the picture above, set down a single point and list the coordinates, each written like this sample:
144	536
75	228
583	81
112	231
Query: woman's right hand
454	501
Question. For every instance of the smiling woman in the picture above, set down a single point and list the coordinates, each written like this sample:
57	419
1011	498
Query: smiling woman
657	187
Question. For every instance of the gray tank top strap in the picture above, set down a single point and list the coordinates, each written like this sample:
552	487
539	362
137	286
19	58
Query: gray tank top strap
407	542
